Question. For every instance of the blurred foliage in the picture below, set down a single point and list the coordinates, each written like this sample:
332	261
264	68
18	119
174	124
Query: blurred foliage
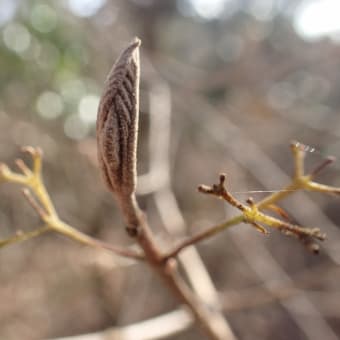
240	76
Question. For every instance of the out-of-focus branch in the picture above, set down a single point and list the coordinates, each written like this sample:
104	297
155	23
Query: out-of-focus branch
179	320
232	301
155	328
157	182
245	299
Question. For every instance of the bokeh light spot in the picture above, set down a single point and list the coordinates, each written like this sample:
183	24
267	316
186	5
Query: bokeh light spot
72	89
16	37
206	9
316	19
43	18
85	8
75	128
49	105
87	108
262	10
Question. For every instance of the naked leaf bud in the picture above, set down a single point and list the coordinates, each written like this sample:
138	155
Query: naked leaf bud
117	123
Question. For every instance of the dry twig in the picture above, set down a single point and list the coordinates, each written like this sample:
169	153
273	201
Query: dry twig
42	204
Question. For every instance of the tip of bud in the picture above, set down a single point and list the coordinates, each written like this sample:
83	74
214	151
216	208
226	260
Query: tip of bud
136	42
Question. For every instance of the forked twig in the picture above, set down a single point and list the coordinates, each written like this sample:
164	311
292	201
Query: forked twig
42	204
252	214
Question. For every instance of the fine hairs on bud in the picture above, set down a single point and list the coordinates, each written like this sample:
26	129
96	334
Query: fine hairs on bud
117	124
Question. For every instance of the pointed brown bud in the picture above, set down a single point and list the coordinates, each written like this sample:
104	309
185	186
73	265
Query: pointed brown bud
117	123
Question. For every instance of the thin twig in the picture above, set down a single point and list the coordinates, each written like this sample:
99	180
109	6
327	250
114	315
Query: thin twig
21	236
44	207
202	235
34	204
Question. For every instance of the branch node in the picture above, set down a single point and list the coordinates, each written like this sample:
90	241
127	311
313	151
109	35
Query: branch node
23	167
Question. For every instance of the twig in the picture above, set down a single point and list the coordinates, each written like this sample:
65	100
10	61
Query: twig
202	235
21	236
44	207
251	215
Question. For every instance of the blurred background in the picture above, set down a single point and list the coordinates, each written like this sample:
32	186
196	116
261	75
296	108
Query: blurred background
226	85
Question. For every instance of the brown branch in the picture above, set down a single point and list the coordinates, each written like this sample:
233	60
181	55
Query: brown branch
116	141
167	270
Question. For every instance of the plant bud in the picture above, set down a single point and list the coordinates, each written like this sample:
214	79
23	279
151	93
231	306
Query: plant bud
117	123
